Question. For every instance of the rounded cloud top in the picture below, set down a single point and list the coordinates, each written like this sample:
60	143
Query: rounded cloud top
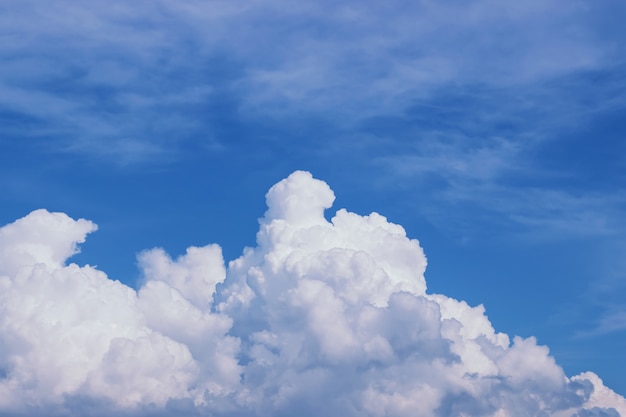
299	199
41	238
320	318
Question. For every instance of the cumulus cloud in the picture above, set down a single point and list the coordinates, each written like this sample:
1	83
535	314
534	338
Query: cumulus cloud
320	318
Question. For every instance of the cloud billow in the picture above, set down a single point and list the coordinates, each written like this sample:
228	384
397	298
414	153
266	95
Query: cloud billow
320	318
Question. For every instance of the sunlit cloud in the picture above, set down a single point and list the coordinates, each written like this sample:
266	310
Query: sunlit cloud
320	317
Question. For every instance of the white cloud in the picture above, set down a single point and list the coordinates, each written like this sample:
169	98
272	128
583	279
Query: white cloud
321	318
103	59
41	238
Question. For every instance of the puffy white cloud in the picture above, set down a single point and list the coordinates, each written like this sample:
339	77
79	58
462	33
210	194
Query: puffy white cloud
41	238
69	330
195	274
320	318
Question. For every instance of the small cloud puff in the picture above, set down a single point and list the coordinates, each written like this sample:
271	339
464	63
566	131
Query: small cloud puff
320	318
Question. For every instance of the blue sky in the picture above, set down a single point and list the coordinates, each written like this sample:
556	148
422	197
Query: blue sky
493	132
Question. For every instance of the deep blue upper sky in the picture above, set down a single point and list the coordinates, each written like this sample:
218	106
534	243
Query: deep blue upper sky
492	131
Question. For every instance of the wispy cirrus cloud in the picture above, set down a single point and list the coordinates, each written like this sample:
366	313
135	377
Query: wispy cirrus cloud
119	68
499	179
524	154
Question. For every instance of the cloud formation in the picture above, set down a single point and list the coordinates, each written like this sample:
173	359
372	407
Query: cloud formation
135	76
320	318
468	92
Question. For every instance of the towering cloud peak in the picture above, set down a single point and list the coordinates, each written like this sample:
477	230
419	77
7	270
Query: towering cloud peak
320	318
299	200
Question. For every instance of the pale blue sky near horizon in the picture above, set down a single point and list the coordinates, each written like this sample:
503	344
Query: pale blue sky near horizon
493	132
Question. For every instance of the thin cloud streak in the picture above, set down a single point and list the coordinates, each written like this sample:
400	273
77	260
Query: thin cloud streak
158	48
